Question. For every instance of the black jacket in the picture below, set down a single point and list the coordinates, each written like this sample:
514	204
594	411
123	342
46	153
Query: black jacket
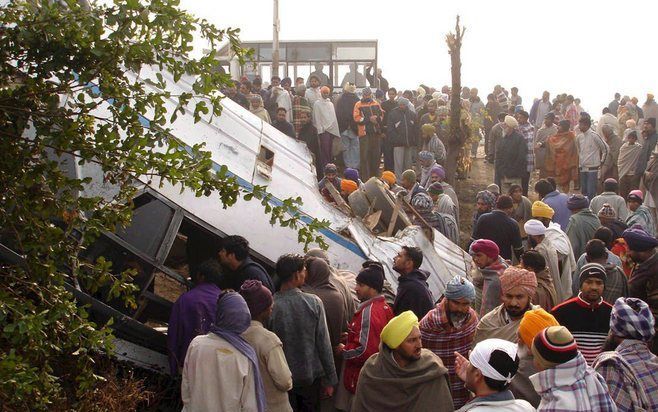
345	112
414	294
284	127
511	156
401	128
247	270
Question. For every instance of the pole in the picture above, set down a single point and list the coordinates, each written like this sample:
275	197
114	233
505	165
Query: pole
275	40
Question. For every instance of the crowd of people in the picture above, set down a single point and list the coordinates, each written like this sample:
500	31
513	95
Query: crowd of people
558	313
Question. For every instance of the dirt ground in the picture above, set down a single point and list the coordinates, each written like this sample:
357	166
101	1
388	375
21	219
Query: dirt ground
480	176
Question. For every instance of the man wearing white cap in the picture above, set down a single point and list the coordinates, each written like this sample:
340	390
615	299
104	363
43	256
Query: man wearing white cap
488	372
537	240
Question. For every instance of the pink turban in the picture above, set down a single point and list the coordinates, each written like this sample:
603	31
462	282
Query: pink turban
514	277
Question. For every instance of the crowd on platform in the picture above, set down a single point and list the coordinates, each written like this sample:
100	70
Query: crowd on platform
558	313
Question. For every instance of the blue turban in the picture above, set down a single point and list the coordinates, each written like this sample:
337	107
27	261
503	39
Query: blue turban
577	202
638	239
351	174
460	287
425	155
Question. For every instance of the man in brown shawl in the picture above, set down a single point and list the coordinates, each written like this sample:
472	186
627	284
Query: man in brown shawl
403	376
318	284
562	157
518	286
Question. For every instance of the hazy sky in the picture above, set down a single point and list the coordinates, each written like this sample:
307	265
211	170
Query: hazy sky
590	49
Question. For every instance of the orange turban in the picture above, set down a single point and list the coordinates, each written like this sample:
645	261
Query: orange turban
533	322
348	186
389	177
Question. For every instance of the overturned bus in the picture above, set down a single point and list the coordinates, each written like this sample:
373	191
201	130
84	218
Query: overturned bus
173	230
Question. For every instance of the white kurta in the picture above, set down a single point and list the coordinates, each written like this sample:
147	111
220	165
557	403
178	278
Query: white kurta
324	117
560	241
217	377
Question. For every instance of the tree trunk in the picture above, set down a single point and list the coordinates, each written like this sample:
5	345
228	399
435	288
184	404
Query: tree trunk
456	136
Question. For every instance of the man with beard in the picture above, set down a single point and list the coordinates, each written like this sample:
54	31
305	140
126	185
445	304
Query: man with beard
449	328
642	284
489	266
488	372
403	376
587	316
629	368
413	291
560	241
537	241
238	266
518	286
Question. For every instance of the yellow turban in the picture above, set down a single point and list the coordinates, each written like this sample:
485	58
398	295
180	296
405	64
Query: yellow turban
541	209
428	129
389	177
398	328
533	322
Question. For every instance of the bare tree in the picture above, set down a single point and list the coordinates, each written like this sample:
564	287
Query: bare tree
456	137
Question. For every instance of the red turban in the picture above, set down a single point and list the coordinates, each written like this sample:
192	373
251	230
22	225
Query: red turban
486	247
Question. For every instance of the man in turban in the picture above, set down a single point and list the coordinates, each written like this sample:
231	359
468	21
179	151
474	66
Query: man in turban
537	241
488	373
642	284
560	241
277	378
518	286
403	376
511	156
587	316
426	162
489	266
485	202
533	322
582	223
438	174
629	368
442	202
431	142
450	328
545	295
221	369
564	381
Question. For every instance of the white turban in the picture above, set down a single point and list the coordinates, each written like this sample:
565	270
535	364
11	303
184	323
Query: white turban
481	354
511	122
534	227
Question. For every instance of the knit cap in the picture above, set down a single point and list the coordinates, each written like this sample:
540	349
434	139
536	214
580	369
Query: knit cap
577	202
373	276
533	322
607	212
553	346
592	270
409	175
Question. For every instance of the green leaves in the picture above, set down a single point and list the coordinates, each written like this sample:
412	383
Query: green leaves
68	99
